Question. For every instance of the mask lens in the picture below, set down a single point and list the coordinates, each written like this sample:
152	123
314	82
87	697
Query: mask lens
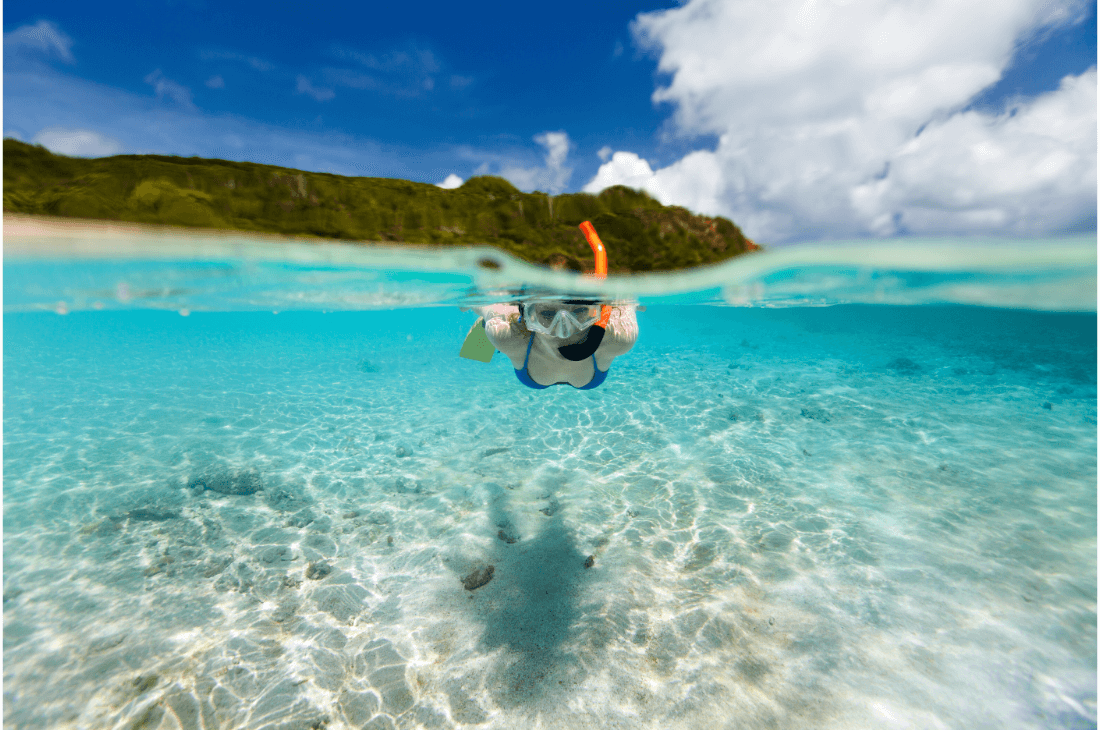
587	314
561	319
543	312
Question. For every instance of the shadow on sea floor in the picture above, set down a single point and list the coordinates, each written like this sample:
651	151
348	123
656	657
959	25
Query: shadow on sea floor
531	612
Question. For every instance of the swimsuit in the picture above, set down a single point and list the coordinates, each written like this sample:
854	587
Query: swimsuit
598	376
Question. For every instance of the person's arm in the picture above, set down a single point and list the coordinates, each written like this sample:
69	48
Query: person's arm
622	333
505	332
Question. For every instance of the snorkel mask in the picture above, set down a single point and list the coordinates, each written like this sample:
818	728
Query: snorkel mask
561	319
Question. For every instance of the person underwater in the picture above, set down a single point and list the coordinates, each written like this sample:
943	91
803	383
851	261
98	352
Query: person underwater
552	342
533	334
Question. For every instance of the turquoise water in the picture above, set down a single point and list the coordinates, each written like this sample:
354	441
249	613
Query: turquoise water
848	516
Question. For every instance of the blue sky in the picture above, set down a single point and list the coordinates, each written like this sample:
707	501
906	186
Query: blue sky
836	136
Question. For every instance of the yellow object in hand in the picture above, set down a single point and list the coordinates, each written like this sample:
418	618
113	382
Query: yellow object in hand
477	345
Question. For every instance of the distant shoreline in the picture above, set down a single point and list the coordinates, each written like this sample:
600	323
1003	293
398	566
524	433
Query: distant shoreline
225	197
50	236
44	226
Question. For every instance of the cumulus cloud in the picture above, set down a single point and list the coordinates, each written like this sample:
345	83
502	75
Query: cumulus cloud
43	38
694	181
553	176
625	168
838	119
166	87
1030	170
453	181
320	94
77	142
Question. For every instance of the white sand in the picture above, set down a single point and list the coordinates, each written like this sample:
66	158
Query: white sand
833	518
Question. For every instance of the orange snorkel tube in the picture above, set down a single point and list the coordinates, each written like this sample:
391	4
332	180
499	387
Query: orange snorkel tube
588	346
600	253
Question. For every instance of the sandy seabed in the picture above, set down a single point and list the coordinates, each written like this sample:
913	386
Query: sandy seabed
837	518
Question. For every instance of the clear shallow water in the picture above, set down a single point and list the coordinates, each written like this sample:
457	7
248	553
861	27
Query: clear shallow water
834	517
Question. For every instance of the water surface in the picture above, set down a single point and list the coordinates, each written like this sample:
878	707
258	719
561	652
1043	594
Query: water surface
847	516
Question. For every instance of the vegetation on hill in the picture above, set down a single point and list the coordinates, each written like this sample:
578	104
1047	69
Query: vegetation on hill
640	233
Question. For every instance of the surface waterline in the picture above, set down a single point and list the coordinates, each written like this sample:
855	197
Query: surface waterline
63	266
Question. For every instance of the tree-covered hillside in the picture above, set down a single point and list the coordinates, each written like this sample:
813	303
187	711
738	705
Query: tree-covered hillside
640	233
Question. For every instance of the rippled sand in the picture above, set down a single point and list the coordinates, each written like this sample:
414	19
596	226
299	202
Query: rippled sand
840	518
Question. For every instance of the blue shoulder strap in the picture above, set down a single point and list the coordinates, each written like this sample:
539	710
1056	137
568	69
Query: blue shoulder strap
598	376
522	374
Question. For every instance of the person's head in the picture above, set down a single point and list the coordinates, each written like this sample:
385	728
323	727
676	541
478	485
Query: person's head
562	320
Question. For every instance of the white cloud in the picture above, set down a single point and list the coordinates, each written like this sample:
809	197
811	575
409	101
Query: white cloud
320	94
39	97
351	79
625	168
215	82
557	148
167	87
405	72
837	119
43	37
553	176
257	64
453	181
694	181
77	142
1027	171
412	59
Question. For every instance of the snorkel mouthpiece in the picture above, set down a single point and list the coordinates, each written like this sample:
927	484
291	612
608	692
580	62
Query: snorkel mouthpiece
587	347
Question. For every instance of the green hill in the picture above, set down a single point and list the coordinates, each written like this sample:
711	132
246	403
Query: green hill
640	233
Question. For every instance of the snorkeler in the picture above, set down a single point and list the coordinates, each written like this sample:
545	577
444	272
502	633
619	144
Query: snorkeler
532	336
553	342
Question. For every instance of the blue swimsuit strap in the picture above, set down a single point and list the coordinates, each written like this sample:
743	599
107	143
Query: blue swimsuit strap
523	376
598	376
